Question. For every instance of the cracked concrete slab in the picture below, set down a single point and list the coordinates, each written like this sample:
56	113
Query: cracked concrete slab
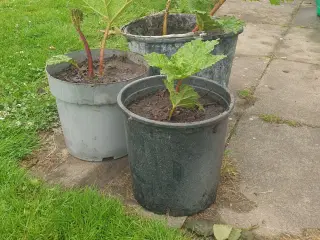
290	90
259	11
258	39
301	44
246	72
279	170
307	17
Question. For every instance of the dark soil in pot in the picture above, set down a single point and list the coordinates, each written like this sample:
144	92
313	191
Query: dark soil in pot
156	106
116	69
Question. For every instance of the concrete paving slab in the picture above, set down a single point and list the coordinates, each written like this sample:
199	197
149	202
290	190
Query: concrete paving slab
290	90
259	11
307	17
258	39
308	3
279	171
246	72
301	44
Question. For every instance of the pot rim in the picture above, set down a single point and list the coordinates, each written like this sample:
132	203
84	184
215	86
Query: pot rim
98	84
170	37
197	124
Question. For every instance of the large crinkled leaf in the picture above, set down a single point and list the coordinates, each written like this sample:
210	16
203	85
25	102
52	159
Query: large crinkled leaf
195	56
206	22
105	8
230	24
188	60
157	60
221	232
187	97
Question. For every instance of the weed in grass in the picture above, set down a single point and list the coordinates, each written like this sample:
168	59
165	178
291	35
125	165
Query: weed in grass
270	118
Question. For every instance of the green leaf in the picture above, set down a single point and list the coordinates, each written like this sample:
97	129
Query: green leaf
206	22
188	60
194	57
187	97
60	59
157	60
275	2
106	8
201	6
221	232
230	24
235	234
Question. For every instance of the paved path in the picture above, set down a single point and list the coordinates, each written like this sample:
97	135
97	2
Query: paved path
278	56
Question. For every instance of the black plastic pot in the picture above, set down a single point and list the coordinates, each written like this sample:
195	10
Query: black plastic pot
144	36
175	166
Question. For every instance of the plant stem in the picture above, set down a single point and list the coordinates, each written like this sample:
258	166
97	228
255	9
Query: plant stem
165	18
212	12
88	52
103	44
178	86
106	35
216	7
196	28
171	112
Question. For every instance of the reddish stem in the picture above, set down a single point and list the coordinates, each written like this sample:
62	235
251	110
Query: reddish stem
212	12
216	7
178	86
196	28
88	52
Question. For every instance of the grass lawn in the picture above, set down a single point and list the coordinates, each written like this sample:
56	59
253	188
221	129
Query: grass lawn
31	31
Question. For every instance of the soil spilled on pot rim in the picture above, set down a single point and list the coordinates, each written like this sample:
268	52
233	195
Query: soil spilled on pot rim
156	106
116	69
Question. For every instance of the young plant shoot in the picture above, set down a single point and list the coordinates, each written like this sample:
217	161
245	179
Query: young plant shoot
187	61
110	10
205	10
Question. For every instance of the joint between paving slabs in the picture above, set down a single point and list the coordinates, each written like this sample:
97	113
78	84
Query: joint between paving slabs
272	57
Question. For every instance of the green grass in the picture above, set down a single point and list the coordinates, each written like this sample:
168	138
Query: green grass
270	118
32	31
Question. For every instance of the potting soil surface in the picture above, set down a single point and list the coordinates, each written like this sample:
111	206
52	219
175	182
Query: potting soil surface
116	69
157	106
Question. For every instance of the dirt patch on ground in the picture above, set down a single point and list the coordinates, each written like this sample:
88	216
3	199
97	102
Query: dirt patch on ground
117	69
50	155
53	163
228	195
157	106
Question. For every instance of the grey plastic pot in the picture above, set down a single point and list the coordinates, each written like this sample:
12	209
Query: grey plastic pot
175	166
92	122
144	36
